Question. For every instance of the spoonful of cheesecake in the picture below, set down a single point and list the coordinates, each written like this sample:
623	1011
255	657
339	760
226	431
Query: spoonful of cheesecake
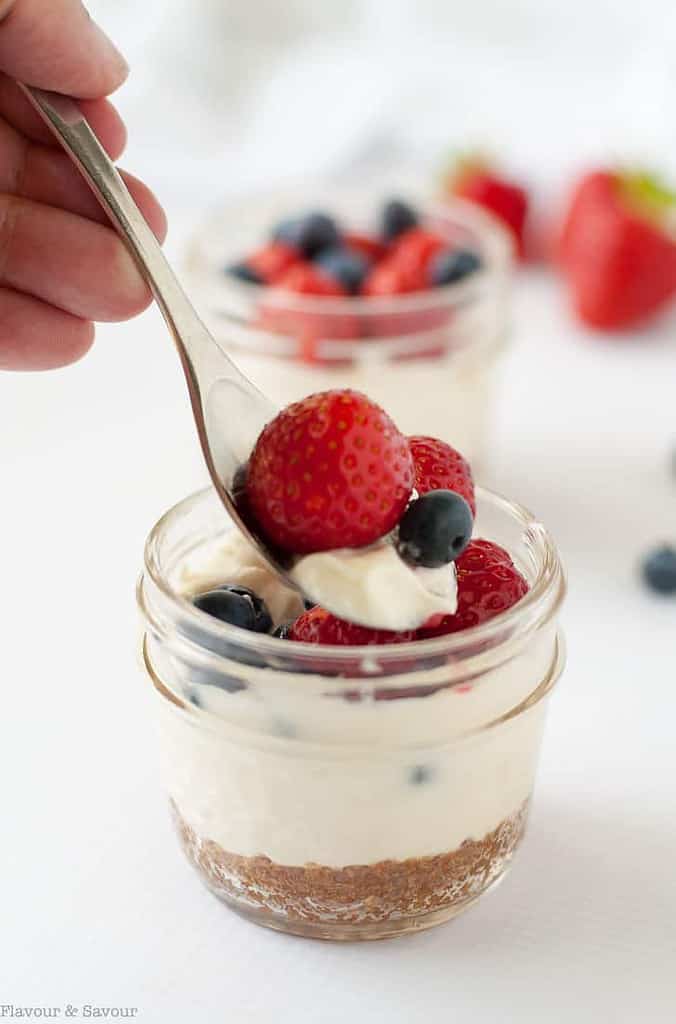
318	488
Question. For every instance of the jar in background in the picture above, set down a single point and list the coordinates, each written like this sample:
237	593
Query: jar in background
430	358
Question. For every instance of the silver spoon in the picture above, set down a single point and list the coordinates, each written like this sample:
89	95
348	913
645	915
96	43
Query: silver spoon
229	410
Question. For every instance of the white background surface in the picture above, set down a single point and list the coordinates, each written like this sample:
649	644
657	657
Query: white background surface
96	902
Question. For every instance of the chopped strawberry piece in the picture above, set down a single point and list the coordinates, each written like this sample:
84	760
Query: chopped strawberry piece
306	279
414	250
372	248
619	261
318	626
273	261
309	326
390	278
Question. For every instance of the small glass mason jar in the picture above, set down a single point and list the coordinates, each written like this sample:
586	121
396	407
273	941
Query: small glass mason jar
348	792
430	358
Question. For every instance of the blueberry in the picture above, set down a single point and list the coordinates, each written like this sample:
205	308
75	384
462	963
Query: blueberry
659	569
435	529
243	272
453	265
282	631
283	728
396	217
311	233
238	606
419	774
347	267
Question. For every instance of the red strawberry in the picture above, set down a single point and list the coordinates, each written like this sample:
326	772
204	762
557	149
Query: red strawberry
372	248
272	261
389	278
306	279
477	181
619	260
321	627
488	583
406	270
330	471
413	252
308	326
439	467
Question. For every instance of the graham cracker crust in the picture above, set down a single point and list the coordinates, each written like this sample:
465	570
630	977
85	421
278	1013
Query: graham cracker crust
389	890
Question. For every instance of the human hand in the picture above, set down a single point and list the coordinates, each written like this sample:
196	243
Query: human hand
61	265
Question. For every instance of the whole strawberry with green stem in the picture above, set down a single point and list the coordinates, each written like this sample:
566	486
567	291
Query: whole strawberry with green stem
617	248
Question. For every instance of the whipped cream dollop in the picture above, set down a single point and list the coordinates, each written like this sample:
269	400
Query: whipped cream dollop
374	587
370	586
236	561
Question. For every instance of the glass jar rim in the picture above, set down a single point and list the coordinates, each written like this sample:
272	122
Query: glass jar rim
158	599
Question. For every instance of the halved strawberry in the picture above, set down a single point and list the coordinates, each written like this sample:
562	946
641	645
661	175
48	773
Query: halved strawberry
318	626
373	248
308	326
273	261
414	250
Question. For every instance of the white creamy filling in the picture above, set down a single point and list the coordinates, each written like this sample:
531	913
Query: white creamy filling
372	586
375	587
297	777
236	561
276	799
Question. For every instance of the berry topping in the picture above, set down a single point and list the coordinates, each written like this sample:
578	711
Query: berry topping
330	471
321	627
396	218
272	261
435	529
310	233
236	605
309	279
452	265
659	570
345	266
439	467
243	272
372	248
488	583
414	250
388	278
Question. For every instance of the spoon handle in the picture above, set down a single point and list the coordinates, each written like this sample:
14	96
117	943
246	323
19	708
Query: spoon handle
194	342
